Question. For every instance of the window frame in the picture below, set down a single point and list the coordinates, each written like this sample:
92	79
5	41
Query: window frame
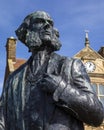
97	90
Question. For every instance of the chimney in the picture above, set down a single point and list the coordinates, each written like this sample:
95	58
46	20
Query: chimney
11	49
101	51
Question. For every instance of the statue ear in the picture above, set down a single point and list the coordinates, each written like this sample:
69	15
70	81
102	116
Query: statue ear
21	32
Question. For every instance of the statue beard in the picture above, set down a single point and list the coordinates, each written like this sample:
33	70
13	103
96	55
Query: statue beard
35	42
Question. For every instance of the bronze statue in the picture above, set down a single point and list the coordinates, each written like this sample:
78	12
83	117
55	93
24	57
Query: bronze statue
48	92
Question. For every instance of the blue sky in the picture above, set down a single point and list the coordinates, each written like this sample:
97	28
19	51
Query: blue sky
71	17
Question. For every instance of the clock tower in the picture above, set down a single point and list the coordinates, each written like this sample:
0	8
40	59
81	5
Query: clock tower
94	64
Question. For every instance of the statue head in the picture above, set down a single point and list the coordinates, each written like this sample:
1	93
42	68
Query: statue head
37	31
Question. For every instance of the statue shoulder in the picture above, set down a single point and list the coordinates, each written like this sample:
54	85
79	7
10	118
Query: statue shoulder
65	59
73	61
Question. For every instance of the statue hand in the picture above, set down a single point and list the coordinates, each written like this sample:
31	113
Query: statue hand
50	82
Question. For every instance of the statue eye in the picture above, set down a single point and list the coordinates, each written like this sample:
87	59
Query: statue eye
51	22
38	21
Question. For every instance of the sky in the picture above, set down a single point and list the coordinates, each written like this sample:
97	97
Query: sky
71	18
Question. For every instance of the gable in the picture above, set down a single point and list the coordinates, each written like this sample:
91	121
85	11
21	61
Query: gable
88	53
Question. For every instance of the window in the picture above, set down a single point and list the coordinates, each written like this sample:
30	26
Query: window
99	89
94	87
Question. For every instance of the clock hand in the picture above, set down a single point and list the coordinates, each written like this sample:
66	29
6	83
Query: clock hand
90	64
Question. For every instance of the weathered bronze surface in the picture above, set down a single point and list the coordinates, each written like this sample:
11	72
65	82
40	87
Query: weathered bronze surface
48	92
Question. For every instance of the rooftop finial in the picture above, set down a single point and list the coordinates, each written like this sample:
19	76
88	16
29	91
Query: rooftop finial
87	43
86	31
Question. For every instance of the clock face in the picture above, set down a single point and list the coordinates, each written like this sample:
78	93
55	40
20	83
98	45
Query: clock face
90	66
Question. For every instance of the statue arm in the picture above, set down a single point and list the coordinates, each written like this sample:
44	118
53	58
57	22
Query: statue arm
78	98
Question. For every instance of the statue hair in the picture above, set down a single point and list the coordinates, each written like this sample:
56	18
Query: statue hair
23	30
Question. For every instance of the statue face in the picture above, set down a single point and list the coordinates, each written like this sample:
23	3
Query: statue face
37	31
43	25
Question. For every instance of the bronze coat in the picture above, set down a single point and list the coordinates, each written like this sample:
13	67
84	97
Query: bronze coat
24	106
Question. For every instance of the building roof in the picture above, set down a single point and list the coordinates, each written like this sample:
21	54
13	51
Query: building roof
87	52
18	63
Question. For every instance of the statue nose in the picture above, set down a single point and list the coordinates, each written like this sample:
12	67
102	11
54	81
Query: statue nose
46	25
